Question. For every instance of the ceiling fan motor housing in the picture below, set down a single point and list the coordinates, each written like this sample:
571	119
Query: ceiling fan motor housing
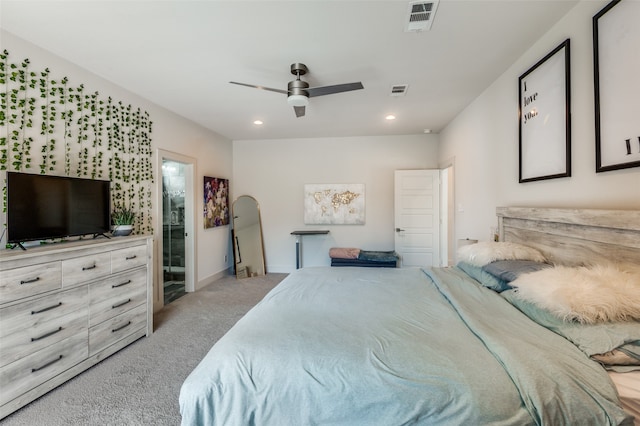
297	95
297	87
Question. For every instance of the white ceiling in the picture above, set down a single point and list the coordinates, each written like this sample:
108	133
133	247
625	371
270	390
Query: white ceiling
182	55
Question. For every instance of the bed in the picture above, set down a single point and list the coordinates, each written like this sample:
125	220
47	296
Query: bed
383	346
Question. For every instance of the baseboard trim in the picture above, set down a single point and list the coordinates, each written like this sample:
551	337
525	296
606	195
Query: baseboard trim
212	278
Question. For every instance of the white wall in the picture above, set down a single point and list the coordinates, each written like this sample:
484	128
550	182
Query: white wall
484	141
275	172
170	132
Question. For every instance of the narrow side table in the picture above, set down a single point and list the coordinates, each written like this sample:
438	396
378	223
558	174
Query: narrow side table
299	235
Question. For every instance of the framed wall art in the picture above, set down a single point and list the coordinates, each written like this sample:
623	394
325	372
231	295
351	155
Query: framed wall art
216	202
334	204
616	56
544	115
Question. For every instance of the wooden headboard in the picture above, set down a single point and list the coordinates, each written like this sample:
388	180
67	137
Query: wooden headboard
574	236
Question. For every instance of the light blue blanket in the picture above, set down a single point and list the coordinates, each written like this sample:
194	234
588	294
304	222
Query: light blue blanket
377	346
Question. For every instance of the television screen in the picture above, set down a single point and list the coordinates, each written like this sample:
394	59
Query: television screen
41	207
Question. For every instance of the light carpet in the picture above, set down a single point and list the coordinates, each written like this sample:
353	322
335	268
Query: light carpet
140	384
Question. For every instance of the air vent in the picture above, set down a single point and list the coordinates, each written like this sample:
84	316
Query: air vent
399	89
420	15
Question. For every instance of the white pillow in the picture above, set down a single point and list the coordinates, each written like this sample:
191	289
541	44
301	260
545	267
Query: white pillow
585	294
482	253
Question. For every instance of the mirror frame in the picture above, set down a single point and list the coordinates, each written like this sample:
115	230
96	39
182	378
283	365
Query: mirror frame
237	256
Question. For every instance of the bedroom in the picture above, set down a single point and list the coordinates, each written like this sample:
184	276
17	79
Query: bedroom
482	139
480	186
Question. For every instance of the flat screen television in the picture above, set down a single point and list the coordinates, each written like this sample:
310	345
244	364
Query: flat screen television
42	207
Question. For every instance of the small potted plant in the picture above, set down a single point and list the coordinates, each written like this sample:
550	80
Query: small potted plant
122	221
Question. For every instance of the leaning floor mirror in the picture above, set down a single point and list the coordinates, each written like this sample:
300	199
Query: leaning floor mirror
248	247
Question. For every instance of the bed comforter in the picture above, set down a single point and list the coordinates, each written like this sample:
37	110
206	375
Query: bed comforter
369	346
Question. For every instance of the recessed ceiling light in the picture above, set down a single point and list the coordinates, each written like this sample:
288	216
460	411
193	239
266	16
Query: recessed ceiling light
390	117
258	123
427	131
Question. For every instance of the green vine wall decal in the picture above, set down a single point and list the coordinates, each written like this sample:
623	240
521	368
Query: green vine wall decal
49	114
50	126
22	110
4	110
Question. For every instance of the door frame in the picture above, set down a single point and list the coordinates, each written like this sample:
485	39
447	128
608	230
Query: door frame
189	225
447	212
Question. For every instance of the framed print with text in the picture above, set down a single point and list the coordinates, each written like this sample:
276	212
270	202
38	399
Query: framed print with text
616	57
545	118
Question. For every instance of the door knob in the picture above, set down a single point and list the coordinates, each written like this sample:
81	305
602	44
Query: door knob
399	230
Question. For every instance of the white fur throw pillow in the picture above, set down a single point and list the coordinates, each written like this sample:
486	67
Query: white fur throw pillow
482	253
588	295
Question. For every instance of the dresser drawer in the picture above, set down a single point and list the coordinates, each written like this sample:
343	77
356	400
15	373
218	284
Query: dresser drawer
128	258
20	376
30	326
85	268
116	295
30	280
109	332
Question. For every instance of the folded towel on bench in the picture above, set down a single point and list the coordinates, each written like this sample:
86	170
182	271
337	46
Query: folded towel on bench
378	256
344	253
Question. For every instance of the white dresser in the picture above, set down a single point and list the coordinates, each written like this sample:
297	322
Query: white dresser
65	307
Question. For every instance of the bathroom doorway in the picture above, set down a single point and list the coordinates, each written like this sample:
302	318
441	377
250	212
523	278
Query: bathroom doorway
173	232
176	227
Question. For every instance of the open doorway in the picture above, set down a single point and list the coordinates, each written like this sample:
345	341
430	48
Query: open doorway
175	228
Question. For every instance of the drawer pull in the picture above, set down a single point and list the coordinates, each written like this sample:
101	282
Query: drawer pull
130	257
87	268
121	327
117	305
46	309
32	280
44	336
33	370
121	284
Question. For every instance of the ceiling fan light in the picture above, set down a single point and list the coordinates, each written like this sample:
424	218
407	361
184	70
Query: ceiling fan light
297	100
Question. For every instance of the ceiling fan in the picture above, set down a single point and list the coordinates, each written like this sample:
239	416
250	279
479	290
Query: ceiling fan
298	91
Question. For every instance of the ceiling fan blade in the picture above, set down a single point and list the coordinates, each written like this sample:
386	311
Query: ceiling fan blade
299	111
260	87
329	90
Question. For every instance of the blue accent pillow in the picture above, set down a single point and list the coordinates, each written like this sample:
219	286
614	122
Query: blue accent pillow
483	277
509	270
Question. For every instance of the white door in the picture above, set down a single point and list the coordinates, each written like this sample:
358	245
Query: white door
417	217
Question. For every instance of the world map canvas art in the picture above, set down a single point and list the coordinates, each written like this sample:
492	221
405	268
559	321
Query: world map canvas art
334	204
